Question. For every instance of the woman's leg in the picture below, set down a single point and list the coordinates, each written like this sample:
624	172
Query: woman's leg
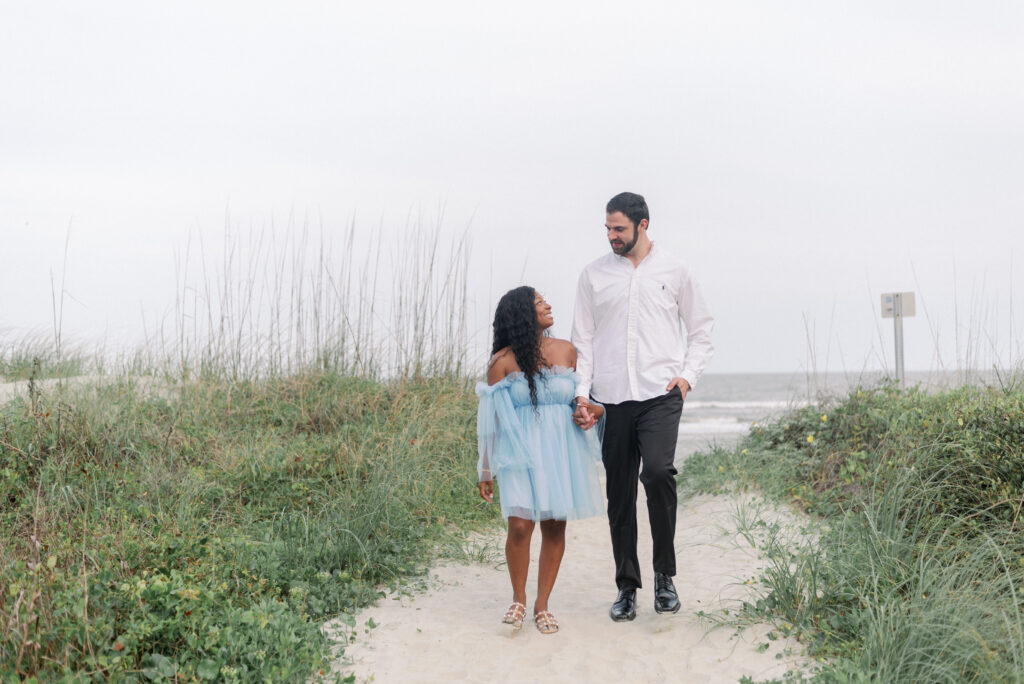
552	547
517	555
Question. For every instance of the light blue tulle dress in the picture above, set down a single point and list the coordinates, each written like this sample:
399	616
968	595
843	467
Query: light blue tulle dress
544	464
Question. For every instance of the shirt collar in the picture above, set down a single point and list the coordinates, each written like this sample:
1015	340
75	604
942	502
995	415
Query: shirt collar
620	259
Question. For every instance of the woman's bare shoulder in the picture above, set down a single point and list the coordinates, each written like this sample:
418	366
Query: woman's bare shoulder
501	364
560	352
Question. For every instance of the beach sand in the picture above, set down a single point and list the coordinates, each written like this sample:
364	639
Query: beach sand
452	631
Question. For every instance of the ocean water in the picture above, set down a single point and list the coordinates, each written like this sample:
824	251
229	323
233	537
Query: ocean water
723	407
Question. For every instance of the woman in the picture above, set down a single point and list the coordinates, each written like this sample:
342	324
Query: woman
546	465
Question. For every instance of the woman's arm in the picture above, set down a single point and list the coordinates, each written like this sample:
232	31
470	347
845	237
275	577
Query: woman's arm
497	369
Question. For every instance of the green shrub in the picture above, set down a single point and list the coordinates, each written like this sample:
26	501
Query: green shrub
206	530
917	570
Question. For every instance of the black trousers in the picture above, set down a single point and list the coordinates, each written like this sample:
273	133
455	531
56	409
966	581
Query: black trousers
642	433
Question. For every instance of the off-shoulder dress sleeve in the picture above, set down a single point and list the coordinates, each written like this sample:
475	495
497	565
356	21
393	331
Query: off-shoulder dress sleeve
499	439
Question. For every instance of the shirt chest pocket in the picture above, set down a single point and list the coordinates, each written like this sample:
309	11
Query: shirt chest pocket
658	294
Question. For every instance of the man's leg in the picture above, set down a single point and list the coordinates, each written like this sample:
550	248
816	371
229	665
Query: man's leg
657	430
621	466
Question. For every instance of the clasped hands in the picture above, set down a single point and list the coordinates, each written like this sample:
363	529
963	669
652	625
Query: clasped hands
583	416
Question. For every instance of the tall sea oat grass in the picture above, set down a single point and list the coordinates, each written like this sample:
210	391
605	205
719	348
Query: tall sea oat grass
25	356
303	437
278	302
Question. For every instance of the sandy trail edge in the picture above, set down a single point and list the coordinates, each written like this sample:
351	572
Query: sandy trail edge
453	632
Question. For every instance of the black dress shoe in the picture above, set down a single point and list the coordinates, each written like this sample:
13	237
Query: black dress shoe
665	598
624	607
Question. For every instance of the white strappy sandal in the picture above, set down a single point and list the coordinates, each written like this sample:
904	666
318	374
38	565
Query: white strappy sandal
546	622
514	615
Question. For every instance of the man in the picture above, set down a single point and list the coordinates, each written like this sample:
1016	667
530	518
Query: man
626	328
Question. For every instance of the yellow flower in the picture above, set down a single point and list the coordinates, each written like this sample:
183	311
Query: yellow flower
744	452
810	438
824	418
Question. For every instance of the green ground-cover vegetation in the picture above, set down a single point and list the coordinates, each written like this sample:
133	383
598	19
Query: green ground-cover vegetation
36	358
914	571
196	507
204	530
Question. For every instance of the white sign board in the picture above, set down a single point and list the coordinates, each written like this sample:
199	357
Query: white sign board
904	300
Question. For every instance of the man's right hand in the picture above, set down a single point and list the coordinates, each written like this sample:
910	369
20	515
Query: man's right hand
583	416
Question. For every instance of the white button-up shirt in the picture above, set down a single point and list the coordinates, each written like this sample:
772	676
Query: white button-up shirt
626	327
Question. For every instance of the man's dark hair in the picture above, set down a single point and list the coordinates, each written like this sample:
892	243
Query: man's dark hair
634	206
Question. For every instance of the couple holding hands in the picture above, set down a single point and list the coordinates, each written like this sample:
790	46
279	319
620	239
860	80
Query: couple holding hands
624	375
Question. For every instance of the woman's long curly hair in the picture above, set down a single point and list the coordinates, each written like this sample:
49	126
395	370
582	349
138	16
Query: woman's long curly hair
516	326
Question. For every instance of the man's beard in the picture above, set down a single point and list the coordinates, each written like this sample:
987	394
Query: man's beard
627	246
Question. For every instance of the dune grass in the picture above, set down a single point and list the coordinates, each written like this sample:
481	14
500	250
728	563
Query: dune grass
195	510
916	571
207	530
33	357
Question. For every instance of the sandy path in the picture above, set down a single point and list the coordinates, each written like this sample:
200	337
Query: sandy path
452	632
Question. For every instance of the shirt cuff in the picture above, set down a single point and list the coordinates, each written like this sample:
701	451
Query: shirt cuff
583	390
690	377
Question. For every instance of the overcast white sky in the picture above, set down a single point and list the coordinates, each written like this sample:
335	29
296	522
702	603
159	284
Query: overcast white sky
801	157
